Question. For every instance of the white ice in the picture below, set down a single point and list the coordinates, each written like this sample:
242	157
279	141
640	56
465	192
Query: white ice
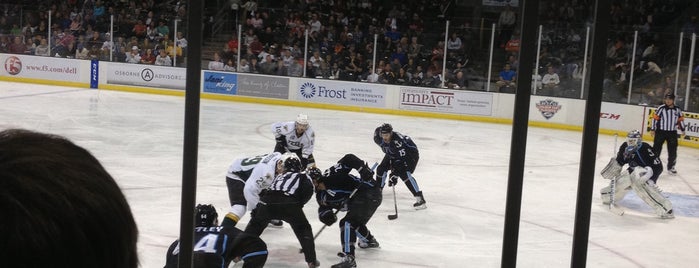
463	172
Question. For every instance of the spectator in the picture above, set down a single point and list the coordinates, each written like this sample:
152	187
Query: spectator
181	42
148	57
216	64
550	83
230	66
42	49
162	29
139	29
163	59
506	22
63	207
458	82
244	66
17	46
506	80
133	56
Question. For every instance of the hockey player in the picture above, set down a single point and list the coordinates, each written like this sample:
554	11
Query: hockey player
401	159
644	168
297	137
335	189
244	191
213	244
284	199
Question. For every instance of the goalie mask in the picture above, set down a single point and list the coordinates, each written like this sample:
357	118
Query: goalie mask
206	216
633	140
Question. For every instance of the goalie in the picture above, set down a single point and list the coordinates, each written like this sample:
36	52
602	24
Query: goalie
644	168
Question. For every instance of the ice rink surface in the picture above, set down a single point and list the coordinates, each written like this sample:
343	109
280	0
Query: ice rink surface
463	172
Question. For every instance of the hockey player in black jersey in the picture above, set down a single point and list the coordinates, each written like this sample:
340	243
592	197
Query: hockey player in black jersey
401	159
644	168
213	244
334	191
284	199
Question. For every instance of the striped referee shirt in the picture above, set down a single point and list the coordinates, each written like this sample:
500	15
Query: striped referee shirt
293	184
667	118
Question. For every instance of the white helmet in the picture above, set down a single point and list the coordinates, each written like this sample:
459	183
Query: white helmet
302	119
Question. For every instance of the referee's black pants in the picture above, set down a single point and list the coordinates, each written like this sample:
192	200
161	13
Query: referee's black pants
671	137
276	205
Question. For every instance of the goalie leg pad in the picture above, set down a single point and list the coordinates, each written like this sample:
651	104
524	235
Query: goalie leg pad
611	170
623	183
649	193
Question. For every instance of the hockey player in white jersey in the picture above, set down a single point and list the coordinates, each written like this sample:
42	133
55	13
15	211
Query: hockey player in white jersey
297	137
644	168
245	179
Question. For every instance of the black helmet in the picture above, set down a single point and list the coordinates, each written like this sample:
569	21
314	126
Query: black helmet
670	96
386	128
292	164
315	174
206	216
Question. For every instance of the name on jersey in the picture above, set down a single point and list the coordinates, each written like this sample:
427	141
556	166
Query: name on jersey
208	229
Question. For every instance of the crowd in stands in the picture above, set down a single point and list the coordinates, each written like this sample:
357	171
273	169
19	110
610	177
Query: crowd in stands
81	30
409	48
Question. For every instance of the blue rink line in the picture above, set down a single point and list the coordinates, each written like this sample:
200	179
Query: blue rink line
40	94
682	204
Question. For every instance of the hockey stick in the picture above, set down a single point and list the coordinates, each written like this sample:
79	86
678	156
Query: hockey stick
395	205
612	206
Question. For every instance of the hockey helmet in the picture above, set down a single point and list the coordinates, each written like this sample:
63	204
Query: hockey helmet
633	139
206	215
302	119
316	174
386	128
670	96
292	165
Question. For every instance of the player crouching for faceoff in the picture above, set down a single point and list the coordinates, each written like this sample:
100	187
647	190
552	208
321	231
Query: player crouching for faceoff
401	157
297	137
284	199
213	244
335	189
245	179
644	168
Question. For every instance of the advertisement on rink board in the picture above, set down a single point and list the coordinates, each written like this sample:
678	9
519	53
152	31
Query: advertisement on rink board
324	91
25	66
221	83
146	75
691	125
501	3
263	86
445	101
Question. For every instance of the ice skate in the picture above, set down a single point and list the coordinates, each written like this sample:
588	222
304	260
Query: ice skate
420	204
347	261
371	243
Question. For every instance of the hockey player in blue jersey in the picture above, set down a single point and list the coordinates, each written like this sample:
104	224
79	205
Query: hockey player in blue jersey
401	159
334	191
644	168
213	244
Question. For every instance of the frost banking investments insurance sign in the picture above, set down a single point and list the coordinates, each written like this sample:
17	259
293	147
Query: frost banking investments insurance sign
356	94
445	101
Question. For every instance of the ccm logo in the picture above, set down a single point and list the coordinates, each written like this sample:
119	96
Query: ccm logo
610	116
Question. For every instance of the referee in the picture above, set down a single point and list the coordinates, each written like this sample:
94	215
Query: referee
667	119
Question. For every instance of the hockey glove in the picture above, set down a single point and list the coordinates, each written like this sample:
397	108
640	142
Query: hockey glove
366	173
327	216
393	180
